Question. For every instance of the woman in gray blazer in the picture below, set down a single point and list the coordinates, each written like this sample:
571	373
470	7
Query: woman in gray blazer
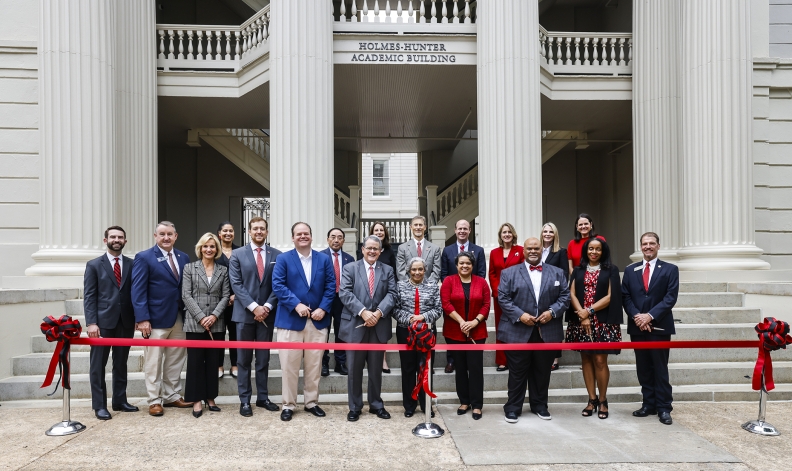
205	291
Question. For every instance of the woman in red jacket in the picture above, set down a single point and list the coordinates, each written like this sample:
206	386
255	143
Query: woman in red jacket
466	304
506	255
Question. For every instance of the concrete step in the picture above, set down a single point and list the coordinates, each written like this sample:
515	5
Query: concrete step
702	287
73	307
28	387
716	315
706	299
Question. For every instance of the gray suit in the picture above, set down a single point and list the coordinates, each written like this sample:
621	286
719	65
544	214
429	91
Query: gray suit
248	288
431	254
202	297
355	295
531	367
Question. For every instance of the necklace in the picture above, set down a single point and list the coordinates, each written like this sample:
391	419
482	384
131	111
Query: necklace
591	269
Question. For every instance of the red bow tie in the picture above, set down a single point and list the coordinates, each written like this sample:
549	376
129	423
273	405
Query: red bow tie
535	267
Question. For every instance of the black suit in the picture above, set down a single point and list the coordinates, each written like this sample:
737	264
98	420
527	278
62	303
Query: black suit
558	259
652	365
110	308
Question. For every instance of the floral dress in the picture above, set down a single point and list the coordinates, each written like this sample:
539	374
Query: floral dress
600	332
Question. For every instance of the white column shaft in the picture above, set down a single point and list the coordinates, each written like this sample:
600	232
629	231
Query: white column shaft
509	119
301	117
717	138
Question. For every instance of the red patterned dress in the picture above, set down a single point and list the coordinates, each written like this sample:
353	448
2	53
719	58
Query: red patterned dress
599	332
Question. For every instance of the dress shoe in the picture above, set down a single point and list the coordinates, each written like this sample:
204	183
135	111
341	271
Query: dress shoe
512	418
102	414
543	414
353	416
125	407
179	403
409	412
286	415
386	370
476	415
449	368
267	404
220	373
341	369
501	368
197	413
665	418
156	410
315	410
234	373
381	413
213	408
325	370
462	411
245	410
554	367
644	411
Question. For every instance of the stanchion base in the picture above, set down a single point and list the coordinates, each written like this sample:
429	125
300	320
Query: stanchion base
428	430
760	428
65	428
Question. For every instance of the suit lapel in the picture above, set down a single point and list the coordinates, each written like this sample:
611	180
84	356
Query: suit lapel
657	273
377	276
109	267
252	256
314	266
543	285
126	269
267	263
524	272
202	274
164	263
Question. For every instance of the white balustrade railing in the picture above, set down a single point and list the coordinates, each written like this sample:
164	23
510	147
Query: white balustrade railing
398	229
566	53
341	206
406	11
255	139
217	48
457	193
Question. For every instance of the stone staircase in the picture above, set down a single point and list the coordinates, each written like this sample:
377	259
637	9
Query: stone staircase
705	311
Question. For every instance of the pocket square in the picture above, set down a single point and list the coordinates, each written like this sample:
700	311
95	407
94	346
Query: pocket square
557	283
271	263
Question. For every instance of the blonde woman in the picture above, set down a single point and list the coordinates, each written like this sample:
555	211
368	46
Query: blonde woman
507	254
553	254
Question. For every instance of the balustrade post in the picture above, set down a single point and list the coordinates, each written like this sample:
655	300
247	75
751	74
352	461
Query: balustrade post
612	52
568	42
399	12
364	15
410	12
444	12
377	18
467	12
595	51
421	12
456	11
181	44
189	45
559	51
218	46
388	18
434	12
199	34
161	45
577	51
621	51
586	51
342	15
237	46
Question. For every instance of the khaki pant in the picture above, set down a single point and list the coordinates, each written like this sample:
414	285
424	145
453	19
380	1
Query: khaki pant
312	363
162	366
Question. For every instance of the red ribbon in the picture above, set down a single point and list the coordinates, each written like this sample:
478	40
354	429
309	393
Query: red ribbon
422	339
62	330
773	335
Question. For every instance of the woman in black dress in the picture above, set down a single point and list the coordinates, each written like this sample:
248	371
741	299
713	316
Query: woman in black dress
225	231
595	315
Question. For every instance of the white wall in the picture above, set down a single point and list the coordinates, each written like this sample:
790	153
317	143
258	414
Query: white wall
780	28
402	201
20	165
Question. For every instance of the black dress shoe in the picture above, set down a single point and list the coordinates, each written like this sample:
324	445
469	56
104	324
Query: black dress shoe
267	404
476	416
353	416
197	413
501	368
644	411
449	368
245	410
286	415
462	411
665	418
316	410
511	417
386	370
341	369
381	413
325	370
125	407
213	408
409	412
103	414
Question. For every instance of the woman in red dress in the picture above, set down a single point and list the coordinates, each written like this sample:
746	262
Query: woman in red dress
584	230
506	255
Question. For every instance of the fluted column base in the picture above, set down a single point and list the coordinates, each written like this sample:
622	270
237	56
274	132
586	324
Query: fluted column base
61	262
731	257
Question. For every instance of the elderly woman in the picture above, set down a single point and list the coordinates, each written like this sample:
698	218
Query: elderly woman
466	304
205	291
428	310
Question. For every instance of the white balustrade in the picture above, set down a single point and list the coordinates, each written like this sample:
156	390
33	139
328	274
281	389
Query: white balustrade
407	12
341	206
255	140
566	53
457	193
398	229
216	48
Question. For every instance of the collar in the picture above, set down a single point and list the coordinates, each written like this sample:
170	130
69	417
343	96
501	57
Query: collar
528	265
253	246
113	257
465	243
309	257
369	266
339	252
419	241
164	252
652	263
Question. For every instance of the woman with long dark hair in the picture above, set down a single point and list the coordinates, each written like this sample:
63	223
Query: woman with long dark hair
225	232
584	230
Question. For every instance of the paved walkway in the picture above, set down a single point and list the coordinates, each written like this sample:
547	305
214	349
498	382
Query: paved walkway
225	440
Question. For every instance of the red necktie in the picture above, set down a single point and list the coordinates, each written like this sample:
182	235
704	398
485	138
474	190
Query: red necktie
646	277
117	272
535	267
173	267
371	280
420	252
337	269
461	248
260	264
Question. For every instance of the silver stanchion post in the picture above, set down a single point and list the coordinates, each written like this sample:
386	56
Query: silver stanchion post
759	426
428	429
66	426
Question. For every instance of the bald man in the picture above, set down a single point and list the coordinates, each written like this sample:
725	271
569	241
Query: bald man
533	297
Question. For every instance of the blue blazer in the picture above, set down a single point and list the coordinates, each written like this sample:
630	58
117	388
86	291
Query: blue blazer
658	301
291	288
156	294
448	267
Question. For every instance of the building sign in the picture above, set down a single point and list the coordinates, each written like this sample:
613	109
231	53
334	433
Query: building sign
450	51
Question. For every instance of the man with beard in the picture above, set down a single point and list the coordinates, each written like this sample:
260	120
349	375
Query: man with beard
107	302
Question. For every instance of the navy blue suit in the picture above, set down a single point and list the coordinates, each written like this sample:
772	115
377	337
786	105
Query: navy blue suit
335	311
156	293
448	267
658	301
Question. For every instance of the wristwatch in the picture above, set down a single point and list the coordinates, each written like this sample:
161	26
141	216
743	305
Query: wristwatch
591	311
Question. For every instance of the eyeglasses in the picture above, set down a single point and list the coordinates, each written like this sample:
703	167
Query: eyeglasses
371	249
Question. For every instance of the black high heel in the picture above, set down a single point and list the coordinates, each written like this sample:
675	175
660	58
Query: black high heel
197	413
589	412
603	414
212	408
462	411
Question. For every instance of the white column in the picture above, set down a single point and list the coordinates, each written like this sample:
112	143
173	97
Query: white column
301	117
717	138
136	122
76	46
656	120
509	121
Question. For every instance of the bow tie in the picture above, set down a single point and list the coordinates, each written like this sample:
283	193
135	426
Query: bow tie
535	267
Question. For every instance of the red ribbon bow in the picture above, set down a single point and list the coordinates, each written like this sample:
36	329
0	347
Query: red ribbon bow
62	330
421	338
774	335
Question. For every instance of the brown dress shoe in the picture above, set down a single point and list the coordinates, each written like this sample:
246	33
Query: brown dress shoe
179	403
155	410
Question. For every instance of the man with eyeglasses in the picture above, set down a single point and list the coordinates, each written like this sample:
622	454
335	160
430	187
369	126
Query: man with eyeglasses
340	259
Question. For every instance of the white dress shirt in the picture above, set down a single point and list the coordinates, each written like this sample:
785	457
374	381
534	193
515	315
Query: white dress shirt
466	244
112	259
545	253
252	306
421	243
306	264
536	281
175	262
652	264
368	267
